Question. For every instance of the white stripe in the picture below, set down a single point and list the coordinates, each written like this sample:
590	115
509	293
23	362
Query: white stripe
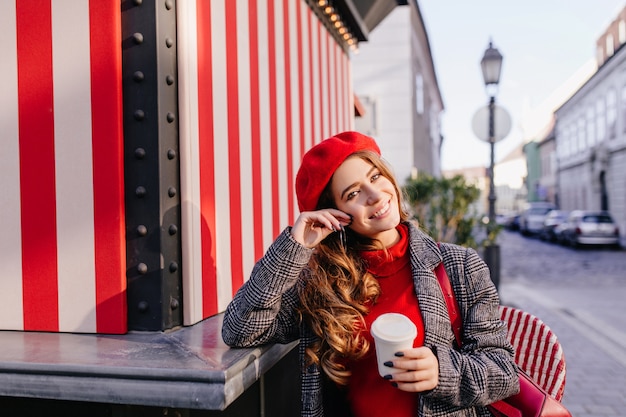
264	129
332	85
349	99
349	111
294	135
74	166
350	95
306	73
324	80
280	114
191	234
315	79
339	88
11	309
343	99
245	138
222	188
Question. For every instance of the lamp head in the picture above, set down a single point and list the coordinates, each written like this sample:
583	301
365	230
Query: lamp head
491	65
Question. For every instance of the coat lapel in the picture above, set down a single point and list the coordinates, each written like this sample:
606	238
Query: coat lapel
425	256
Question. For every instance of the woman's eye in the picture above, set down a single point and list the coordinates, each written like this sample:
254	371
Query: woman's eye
375	177
351	195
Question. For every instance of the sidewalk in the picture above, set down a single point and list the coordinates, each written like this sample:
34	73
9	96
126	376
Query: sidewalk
590	328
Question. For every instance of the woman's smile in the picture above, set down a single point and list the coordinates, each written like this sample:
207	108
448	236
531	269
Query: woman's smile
382	211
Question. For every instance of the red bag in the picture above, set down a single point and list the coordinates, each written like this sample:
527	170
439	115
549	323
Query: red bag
532	400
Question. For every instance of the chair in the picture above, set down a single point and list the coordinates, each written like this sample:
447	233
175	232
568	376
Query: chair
537	350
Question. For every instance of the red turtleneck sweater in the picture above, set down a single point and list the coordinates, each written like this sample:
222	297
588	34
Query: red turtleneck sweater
370	394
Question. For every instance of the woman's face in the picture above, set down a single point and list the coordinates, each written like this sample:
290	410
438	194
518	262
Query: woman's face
359	189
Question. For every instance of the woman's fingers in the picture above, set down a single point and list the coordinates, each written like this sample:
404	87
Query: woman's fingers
421	370
312	227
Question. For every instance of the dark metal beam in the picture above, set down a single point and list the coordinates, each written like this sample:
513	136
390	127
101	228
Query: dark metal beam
152	174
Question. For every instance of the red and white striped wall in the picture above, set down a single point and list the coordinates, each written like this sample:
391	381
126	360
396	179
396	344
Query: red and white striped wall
62	250
260	81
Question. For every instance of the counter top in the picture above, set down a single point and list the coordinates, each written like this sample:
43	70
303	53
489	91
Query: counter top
190	367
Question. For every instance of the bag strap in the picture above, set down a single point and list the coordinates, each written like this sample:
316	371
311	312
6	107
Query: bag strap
453	306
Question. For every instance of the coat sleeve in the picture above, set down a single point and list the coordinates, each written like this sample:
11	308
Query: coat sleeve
264	309
483	370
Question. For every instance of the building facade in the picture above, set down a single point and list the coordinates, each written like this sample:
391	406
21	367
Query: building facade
547	186
591	142
395	80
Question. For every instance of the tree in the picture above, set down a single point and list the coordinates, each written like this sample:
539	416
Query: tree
443	207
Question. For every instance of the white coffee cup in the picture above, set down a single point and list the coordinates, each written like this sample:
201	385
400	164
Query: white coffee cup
392	332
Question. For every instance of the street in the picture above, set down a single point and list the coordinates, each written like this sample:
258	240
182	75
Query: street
539	262
580	294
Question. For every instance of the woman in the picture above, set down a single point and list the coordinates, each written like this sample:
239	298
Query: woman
351	256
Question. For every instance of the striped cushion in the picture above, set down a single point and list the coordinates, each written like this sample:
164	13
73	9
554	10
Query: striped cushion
537	350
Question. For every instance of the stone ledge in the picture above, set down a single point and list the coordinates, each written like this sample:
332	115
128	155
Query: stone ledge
186	368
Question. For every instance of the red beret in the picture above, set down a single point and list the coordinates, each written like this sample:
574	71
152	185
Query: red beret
320	162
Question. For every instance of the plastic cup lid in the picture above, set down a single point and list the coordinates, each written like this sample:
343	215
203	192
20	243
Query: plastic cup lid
393	327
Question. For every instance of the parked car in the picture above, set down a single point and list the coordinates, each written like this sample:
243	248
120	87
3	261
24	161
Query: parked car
585	227
552	220
509	220
532	218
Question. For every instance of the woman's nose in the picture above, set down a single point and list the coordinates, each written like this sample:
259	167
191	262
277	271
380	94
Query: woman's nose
373	194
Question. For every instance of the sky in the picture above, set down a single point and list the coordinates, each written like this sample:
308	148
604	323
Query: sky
543	42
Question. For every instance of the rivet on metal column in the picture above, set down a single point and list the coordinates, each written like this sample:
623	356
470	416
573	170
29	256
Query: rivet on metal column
152	168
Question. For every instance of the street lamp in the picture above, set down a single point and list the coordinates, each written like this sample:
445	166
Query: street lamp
491	65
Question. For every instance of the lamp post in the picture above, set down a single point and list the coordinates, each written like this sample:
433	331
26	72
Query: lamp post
491	65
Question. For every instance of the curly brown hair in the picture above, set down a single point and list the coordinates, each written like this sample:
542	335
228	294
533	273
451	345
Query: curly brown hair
336	296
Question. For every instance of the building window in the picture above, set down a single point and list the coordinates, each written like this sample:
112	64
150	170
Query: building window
623	108
621	32
609	45
582	144
568	141
419	93
591	126
368	122
611	113
559	141
600	55
601	119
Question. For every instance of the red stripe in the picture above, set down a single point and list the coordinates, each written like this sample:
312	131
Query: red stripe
288	124
271	40
329	72
521	351
300	77
37	173
348	111
332	84
207	158
309	40
529	359
108	168
534	358
513	329
320	31
338	72
255	123
340	93
234	165
554	366
345	98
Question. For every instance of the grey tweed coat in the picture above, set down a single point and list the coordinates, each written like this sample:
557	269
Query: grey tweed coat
481	372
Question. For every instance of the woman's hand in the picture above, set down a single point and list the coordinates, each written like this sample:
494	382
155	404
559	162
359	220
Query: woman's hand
422	370
311	227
